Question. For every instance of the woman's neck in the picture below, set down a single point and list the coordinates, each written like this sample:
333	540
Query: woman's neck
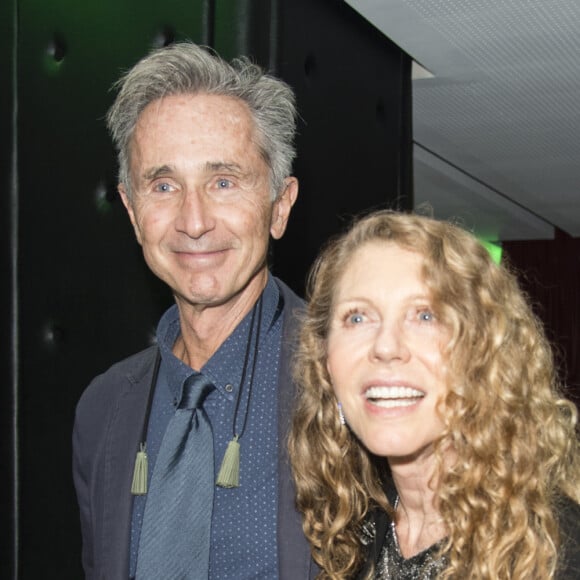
418	523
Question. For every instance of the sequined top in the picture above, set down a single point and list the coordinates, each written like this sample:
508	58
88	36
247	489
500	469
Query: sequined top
380	540
392	565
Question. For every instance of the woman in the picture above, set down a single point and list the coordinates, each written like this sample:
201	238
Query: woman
431	439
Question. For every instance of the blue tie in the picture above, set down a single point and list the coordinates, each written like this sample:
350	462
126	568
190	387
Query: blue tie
174	543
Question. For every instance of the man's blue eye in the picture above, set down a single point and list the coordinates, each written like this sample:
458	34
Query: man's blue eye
223	183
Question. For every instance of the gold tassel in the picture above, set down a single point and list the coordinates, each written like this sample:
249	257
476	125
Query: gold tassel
229	475
139	485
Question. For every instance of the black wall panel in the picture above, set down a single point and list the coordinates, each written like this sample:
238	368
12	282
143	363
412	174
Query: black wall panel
85	298
354	146
247	27
8	312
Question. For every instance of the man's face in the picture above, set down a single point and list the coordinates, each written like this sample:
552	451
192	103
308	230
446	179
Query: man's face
201	204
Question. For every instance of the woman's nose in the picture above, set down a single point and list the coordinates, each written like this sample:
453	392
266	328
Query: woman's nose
390	343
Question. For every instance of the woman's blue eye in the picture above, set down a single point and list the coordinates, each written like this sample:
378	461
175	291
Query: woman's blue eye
355	318
426	316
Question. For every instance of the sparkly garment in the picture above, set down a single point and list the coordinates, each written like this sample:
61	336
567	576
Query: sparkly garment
393	566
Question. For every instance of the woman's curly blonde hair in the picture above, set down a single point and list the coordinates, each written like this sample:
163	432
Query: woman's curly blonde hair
512	431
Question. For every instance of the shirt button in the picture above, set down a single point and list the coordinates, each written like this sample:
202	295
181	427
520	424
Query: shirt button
229	388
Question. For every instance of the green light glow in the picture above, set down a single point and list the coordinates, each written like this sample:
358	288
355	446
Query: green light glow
495	251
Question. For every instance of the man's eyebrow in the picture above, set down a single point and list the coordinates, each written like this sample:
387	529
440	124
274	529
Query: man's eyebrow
209	167
156	172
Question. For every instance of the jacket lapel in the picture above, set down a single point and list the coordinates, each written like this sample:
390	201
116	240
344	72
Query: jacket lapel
294	559
122	444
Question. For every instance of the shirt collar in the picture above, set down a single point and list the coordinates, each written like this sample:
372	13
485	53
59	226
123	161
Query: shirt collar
225	367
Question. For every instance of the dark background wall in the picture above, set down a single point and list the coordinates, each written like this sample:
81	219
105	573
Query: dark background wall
549	271
8	334
75	293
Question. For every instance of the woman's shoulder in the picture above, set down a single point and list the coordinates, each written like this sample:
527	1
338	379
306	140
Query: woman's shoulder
373	534
374	531
568	512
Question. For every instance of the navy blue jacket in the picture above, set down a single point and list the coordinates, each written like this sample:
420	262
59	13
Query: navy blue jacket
107	432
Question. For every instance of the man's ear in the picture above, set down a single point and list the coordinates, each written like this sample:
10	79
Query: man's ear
282	207
129	207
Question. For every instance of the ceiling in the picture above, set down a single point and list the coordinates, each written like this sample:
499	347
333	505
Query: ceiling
496	110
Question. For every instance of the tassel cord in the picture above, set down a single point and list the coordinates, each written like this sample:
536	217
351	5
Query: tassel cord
238	435
140	471
229	473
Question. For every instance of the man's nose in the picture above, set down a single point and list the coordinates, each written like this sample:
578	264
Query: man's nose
195	216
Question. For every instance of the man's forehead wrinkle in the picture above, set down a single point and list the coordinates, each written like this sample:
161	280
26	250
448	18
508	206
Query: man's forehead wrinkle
223	166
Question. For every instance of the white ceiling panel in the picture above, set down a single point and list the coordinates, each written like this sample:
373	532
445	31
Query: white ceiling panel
503	107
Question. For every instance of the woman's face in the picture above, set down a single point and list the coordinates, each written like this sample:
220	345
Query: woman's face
385	352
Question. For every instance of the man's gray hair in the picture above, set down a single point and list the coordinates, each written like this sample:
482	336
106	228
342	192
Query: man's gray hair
186	68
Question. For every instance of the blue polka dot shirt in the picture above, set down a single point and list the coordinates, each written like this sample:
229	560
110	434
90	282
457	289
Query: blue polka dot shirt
243	533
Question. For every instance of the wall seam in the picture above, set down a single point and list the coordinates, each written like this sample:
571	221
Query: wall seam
14	219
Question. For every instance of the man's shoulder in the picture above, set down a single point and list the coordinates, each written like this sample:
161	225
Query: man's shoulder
291	300
131	368
126	372
287	292
293	312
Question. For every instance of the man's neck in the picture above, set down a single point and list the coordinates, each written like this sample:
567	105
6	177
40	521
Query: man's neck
205	328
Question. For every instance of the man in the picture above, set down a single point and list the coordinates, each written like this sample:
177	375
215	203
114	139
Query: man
205	153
